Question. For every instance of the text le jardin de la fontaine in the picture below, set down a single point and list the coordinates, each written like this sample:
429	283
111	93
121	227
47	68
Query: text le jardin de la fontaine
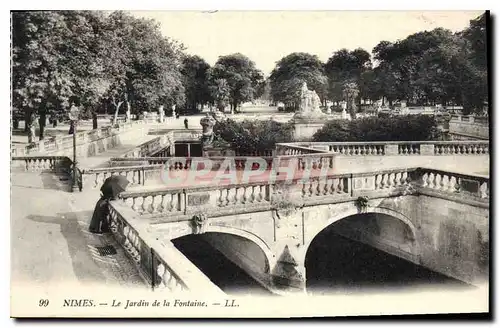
129	304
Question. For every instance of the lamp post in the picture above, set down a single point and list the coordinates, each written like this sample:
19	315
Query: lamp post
73	116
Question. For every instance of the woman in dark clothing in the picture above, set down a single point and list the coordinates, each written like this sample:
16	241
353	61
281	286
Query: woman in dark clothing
99	222
110	190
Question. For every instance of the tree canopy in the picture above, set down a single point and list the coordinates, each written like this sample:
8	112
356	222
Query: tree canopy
291	72
243	81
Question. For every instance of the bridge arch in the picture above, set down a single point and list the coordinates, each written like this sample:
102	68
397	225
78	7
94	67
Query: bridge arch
236	232
352	210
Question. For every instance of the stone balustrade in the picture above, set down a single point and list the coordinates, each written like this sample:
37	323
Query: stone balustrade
150	147
260	153
295	149
470	119
469	127
62	144
216	200
457	184
161	265
262	195
136	175
388	148
42	163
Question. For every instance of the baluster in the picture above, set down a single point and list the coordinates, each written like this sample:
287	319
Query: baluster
220	198
171	282
387	180
445	183
175	202
251	196
457	185
148	204
397	179
341	186
231	196
378	180
483	190
425	178
328	186
320	187
383	183
259	195
430	180
156	203
135	204
161	271
126	241
437	181
405	179
310	189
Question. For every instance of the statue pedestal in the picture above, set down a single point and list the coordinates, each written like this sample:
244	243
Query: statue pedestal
305	126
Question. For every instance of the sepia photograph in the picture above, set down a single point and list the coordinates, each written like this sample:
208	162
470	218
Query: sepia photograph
237	164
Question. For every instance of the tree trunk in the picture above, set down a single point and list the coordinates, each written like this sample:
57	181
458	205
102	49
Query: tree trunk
27	120
117	109
41	121
71	127
94	120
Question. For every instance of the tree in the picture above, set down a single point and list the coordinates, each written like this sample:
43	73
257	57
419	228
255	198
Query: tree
146	66
220	93
56	56
291	72
346	67
195	81
249	137
242	78
350	93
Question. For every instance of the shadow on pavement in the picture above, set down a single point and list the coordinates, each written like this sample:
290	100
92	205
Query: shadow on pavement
82	260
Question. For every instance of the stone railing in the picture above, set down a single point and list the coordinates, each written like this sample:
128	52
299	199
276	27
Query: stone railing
453	184
65	143
259	153
43	163
470	119
295	149
300	162
47	164
471	127
255	196
151	147
387	148
170	204
161	265
136	175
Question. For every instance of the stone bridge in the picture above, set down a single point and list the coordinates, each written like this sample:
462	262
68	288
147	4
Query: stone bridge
405	198
436	219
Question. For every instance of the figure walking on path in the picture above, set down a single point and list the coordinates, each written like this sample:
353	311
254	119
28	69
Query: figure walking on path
186	123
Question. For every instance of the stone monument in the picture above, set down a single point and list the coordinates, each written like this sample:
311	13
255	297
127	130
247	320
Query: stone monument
207	137
173	110
309	118
309	104
161	113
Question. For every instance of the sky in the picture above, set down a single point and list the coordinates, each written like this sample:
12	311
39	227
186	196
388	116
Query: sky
266	37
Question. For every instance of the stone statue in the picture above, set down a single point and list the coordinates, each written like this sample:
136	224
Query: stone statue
309	103
207	123
161	113
173	110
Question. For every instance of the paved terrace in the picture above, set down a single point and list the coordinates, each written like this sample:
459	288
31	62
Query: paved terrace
49	225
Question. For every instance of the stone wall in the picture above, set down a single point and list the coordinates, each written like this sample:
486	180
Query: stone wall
459	163
469	128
